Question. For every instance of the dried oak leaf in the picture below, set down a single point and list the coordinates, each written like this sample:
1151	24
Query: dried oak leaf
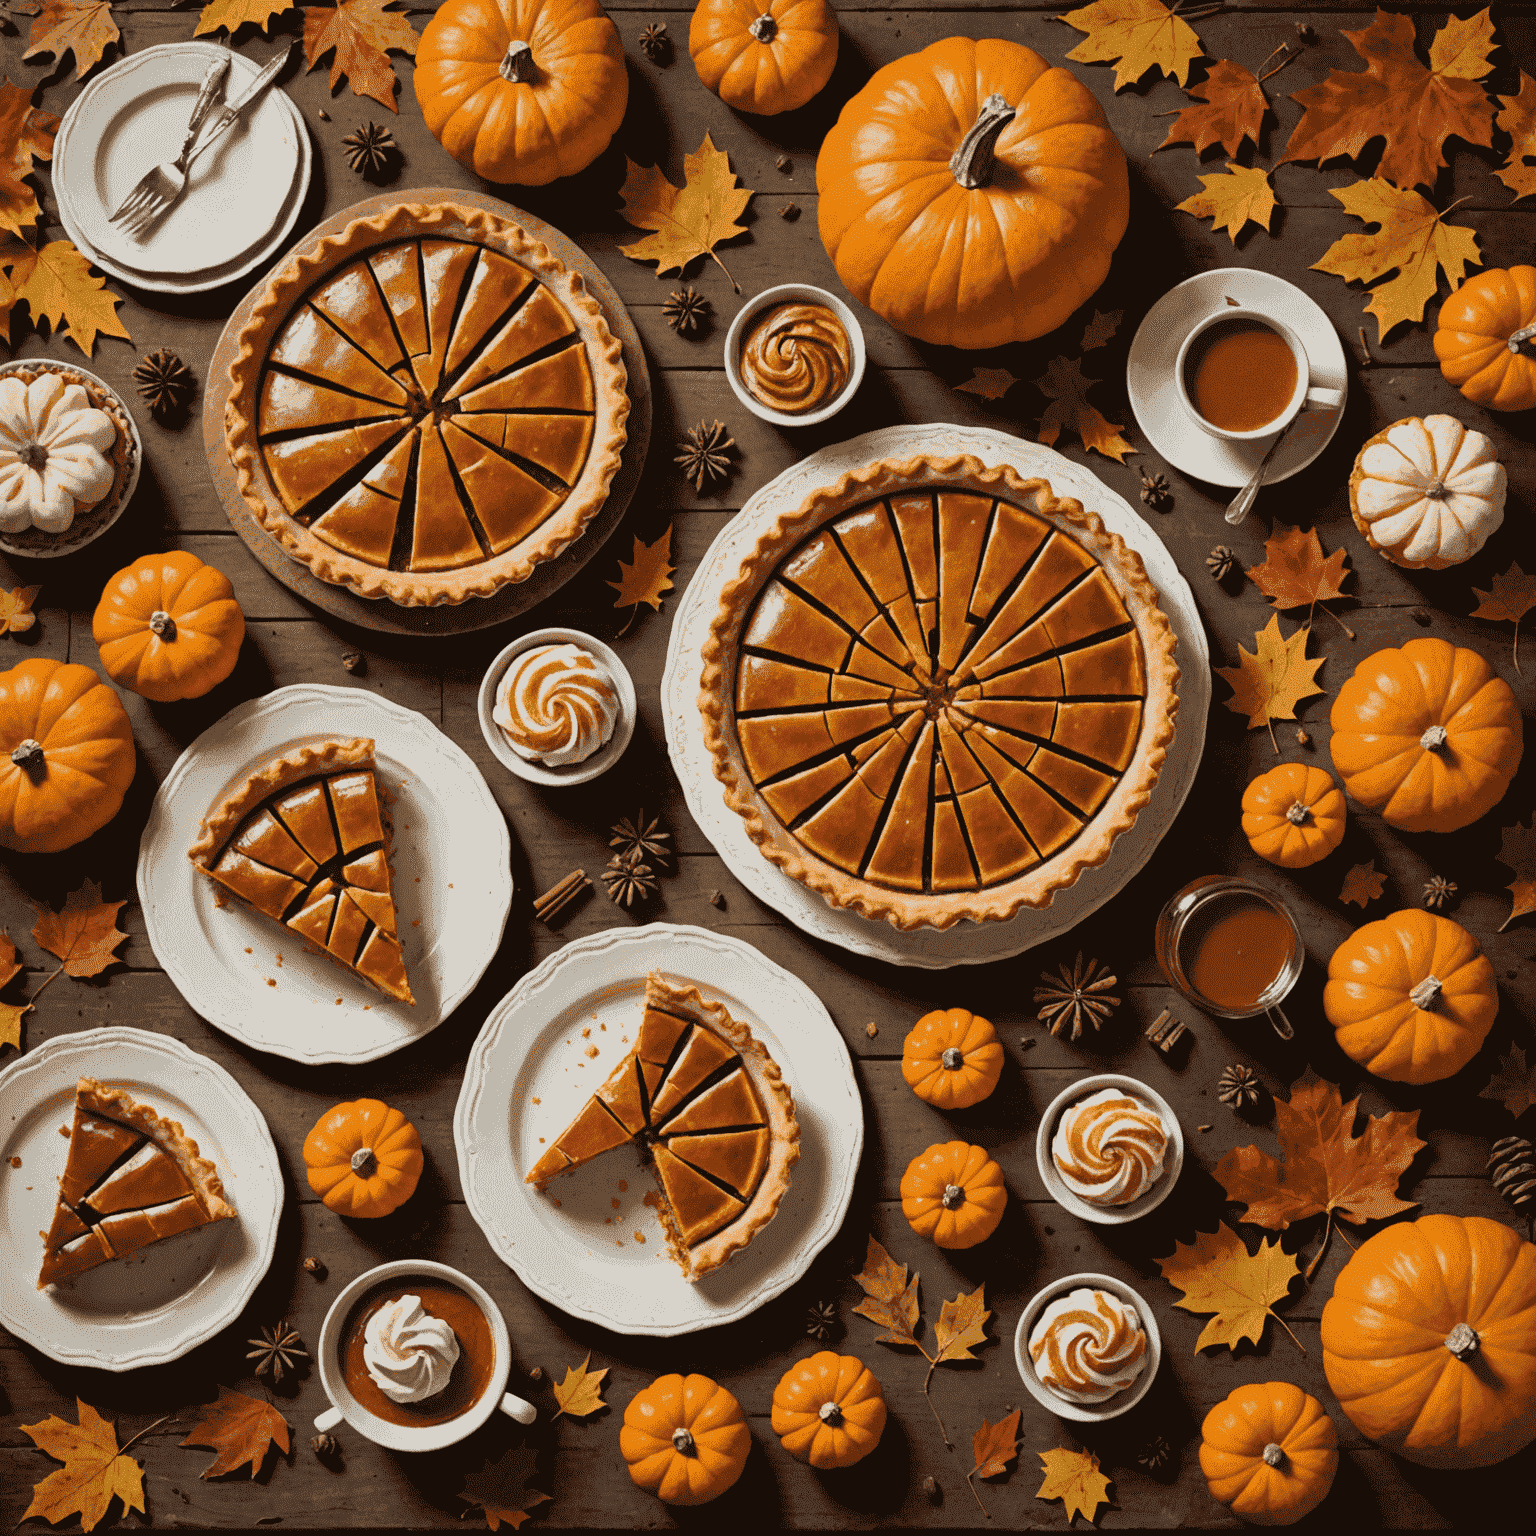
1268	682
1363	883
1075	1479
1232	199
1514	1084
1100	331
16	614
1517	852
1218	1274
83	27
361	32
1295	571
1517	118
995	1445
1064	385
95	1471
989	383
647	576
58	287
1232	108
581	1392
26	134
242	1430
1510	597
1139	34
1397	99
84	934
687	221
890	1299
500	1488
231	15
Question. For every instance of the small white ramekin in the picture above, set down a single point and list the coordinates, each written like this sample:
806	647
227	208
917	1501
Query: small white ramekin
573	773
1064	1407
1108	1215
793	293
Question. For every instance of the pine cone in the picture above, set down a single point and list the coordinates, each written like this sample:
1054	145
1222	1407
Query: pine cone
1156	492
1221	562
1512	1167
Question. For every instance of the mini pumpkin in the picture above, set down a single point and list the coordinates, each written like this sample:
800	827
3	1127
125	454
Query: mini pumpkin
951	1058
829	1410
1411	997
685	1439
1484	336
953	1193
1293	815
1269	1452
1429	1340
1427	493
66	755
363	1158
168	627
1428	735
765	58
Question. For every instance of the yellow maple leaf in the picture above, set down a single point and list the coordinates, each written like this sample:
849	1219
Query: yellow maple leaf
26	134
1362	884
95	1471
687	221
648	576
1066	387
58	286
1141	34
83	27
231	15
1218	1274
11	1015
361	35
16	614
1233	199
581	1392
1517	118
1075	1479
1268	682
1413	240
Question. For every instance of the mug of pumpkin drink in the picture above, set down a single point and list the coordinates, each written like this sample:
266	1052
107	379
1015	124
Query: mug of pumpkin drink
1231	948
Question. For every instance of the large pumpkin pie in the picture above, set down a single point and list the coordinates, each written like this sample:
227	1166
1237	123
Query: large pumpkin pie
707	1106
131	1178
937	691
426	406
305	840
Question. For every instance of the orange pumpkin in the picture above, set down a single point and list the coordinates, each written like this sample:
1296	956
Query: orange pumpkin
1427	735
1429	1340
1293	815
685	1439
1484	338
763	57
522	90
1411	997
951	1058
66	755
953	1193
363	1158
829	1410
971	194
168	627
1269	1452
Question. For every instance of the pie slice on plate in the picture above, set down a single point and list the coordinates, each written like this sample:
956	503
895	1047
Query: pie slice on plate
131	1178
306	841
709	1109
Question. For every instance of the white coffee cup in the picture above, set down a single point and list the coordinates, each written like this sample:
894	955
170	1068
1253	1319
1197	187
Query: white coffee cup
410	1437
1306	396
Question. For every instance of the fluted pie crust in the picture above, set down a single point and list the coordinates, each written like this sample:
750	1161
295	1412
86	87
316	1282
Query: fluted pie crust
936	691
426	406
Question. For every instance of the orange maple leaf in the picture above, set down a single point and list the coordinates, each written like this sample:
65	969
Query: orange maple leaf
993	1446
1217	1274
648	575
95	1471
1362	884
11	1015
361	32
988	383
10	966
16	614
231	15
1100	331
83	27
58	287
1511	596
1075	1479
1295	571
689	221
1514	1084
1517	118
1232	108
1066	387
26	134
83	934
242	1430
581	1393
1517	851
500	1488
1139	34
1268	682
890	1299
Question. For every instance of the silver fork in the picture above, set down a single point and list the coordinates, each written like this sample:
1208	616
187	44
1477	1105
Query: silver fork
161	185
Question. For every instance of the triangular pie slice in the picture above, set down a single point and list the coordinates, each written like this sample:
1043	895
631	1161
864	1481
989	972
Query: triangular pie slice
305	841
131	1178
707	1105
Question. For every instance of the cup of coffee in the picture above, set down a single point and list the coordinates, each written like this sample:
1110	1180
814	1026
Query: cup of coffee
1231	948
1244	376
415	1356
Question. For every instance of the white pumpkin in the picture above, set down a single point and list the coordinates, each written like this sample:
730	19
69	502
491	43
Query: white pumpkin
53	445
1427	492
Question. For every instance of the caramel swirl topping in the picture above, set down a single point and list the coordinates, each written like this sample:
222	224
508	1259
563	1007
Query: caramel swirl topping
796	357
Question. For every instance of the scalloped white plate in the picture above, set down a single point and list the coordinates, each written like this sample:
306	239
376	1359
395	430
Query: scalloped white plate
966	943
177	1294
453	884
529	1072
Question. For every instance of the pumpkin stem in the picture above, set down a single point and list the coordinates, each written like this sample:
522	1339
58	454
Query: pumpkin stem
30	759
1523	334
364	1162
1434	738
682	1442
163	624
831	1413
1462	1341
971	164
517	63
1299	815
1274	1455
764	29
1436	492
1426	993
34	456
953	1198
952	1059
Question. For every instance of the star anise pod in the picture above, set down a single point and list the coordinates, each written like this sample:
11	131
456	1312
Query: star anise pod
1221	562
1156	492
820	1320
685	310
1154	1454
325	1445
655	44
278	1349
637	838
705	454
165	382
1238	1088
1073	995
628	879
369	149
1437	891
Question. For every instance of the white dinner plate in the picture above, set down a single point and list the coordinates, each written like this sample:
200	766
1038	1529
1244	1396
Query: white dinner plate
173	1295
965	943
453	883
1154	391
576	1245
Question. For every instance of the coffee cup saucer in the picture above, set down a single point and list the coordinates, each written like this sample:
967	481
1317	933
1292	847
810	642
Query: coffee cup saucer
1154	392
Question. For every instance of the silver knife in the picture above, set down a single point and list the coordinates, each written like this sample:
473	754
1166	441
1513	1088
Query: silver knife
230	112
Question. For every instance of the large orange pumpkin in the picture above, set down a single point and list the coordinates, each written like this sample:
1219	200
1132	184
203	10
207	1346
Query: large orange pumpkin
363	1158
971	194
1484	338
522	90
685	1439
1293	815
763	57
1269	1452
1428	735
66	755
1429	1340
953	1193
829	1410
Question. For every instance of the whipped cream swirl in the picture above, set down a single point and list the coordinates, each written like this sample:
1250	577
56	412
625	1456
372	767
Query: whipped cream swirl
556	704
1109	1148
796	357
1088	1345
409	1353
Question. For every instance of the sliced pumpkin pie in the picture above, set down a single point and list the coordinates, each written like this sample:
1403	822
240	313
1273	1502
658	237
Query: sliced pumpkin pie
131	1178
305	840
708	1107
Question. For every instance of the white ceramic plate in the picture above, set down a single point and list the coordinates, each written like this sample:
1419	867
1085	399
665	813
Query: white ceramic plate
966	943
177	1294
1154	392
242	197
528	1074
453	884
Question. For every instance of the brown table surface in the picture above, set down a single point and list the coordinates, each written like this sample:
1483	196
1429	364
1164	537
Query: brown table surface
287	642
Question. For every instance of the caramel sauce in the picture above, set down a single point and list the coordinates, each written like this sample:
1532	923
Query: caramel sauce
1240	374
1233	948
796	357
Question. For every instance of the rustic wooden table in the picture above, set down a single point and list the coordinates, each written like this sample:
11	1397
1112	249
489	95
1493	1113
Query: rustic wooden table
287	642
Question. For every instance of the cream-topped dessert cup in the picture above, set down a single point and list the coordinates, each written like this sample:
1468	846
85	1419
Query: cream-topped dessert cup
410	1437
771	298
